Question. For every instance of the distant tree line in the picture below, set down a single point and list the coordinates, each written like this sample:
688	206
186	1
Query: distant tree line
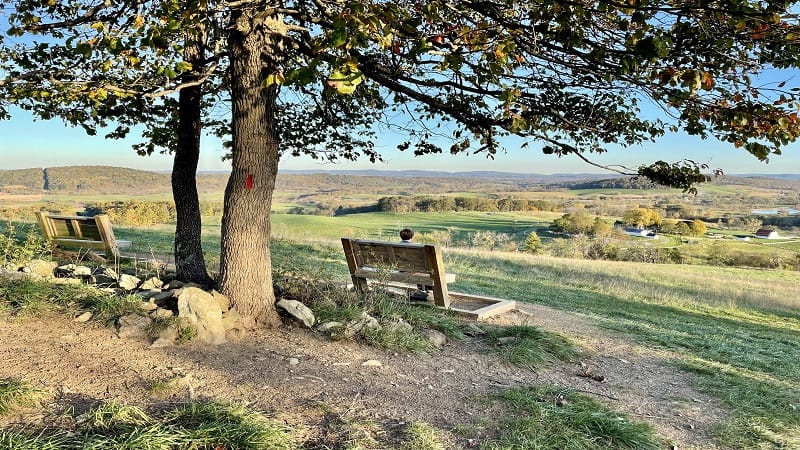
402	204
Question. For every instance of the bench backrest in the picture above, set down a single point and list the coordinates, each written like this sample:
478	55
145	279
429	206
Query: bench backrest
406	262
80	232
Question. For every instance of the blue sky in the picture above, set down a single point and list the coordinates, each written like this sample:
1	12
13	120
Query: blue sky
26	143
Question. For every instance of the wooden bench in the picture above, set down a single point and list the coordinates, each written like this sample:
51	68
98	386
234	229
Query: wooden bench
414	264
80	235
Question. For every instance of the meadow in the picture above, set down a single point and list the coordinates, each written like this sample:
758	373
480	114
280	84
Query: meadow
737	330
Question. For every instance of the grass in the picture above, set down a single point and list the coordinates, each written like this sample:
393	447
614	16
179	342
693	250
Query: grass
547	417
421	436
193	426
527	346
736	330
33	298
16	394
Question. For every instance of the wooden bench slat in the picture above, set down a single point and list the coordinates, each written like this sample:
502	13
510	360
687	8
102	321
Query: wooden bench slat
81	232
399	262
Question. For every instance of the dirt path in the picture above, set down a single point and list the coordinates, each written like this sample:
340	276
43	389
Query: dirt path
301	376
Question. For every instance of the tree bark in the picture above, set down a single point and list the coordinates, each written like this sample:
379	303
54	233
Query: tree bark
190	265
245	265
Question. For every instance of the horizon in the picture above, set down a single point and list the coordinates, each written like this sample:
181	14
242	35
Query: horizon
29	143
432	172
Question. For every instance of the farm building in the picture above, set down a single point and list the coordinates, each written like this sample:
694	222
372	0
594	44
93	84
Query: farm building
766	233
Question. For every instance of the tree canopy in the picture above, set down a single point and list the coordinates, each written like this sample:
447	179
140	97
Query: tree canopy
324	78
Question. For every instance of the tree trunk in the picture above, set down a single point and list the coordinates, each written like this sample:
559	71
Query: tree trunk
245	266
190	264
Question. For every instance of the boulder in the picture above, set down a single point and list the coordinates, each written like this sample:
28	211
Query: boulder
222	301
230	319
133	325
151	284
73	270
298	310
128	282
198	308
106	275
437	338
41	268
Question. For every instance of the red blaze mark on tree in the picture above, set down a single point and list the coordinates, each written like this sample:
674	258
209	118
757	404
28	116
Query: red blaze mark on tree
248	182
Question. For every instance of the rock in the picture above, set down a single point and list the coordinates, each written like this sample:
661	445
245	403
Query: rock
85	317
73	270
356	326
437	338
507	340
327	326
152	283
372	363
133	325
106	275
162	297
199	310
128	282
148	293
174	284
230	319
399	325
167	337
148	306
298	310
293	361
471	329
161	313
17	276
162	342
222	301
41	268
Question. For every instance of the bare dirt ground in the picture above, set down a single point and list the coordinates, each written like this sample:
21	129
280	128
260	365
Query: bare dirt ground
305	379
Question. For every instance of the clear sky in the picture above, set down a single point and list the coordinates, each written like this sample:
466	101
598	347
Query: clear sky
25	143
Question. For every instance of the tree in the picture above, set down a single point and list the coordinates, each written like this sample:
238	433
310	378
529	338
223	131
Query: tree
574	223
698	227
533	243
311	76
641	217
601	228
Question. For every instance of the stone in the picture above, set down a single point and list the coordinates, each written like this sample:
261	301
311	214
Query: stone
16	276
372	363
174	284
356	326
327	326
151	284
161	313
106	275
166	337
222	301
85	317
505	340
437	338
198	308
74	270
148	306
293	361
298	310
133	325
162	297
148	293
128	282
230	319
41	268
398	325
473	330
161	342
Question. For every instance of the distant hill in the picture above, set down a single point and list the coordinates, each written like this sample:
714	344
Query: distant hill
90	180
